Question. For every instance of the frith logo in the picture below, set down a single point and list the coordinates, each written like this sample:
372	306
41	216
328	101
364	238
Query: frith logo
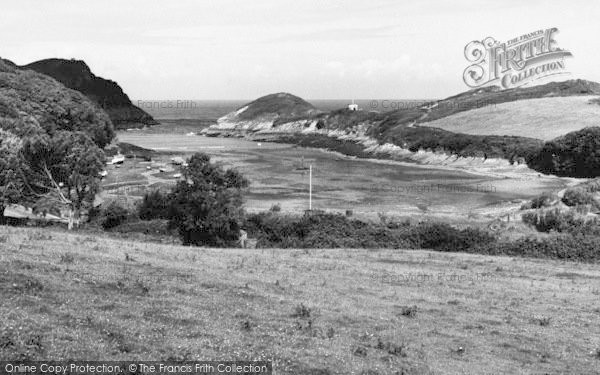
514	63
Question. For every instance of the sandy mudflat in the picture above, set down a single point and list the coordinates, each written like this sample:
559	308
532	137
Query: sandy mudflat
340	183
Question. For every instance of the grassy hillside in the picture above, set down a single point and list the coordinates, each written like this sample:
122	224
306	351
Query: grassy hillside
542	118
282	105
66	295
31	102
478	98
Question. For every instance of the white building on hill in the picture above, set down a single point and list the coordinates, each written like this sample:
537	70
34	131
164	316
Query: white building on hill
353	107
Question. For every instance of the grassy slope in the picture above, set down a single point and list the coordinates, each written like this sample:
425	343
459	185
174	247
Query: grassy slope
477	98
545	118
283	104
74	296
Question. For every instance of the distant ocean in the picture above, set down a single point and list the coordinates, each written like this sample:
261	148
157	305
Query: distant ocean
213	109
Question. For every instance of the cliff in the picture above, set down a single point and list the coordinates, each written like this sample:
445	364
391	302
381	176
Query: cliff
76	75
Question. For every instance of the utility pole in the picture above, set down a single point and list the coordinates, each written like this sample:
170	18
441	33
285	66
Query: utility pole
310	187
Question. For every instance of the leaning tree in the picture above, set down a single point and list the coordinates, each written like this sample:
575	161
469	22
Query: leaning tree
63	168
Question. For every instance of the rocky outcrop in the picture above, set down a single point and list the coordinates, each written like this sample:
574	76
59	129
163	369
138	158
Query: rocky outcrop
76	75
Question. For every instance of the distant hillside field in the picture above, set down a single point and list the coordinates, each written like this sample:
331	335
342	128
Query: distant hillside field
543	118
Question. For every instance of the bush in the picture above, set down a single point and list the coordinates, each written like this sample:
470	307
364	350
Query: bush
155	205
567	247
542	200
206	206
113	215
338	231
553	220
592	186
443	237
275	208
320	231
579	196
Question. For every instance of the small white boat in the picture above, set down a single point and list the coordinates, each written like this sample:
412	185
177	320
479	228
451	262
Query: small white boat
117	159
177	160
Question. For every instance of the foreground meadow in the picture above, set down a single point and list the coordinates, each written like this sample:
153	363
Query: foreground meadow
74	296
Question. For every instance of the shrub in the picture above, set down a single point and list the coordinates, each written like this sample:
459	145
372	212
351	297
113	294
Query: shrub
155	205
547	220
320	231
444	237
592	186
302	311
578	196
206	207
409	311
566	247
113	215
275	208
542	200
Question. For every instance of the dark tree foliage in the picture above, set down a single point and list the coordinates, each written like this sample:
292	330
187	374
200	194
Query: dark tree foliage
577	154
113	215
10	185
155	205
206	207
34	101
65	166
50	140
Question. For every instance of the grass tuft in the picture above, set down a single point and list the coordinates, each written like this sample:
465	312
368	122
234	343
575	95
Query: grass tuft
302	311
409	311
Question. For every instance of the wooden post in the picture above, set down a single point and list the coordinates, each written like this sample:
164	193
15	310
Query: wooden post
70	224
310	187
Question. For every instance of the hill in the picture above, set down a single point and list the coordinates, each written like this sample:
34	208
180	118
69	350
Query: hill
32	102
68	295
266	112
489	96
475	137
75	74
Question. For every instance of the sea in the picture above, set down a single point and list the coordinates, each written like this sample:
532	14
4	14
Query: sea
213	109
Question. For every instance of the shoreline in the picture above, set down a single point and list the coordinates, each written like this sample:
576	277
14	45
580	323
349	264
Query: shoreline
509	190
521	171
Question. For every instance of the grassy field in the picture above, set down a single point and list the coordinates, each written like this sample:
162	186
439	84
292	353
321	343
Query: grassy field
544	118
68	295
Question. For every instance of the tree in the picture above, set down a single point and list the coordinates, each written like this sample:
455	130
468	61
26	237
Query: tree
79	168
576	154
64	168
10	186
206	207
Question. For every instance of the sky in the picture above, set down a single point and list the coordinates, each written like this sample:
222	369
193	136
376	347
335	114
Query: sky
369	49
